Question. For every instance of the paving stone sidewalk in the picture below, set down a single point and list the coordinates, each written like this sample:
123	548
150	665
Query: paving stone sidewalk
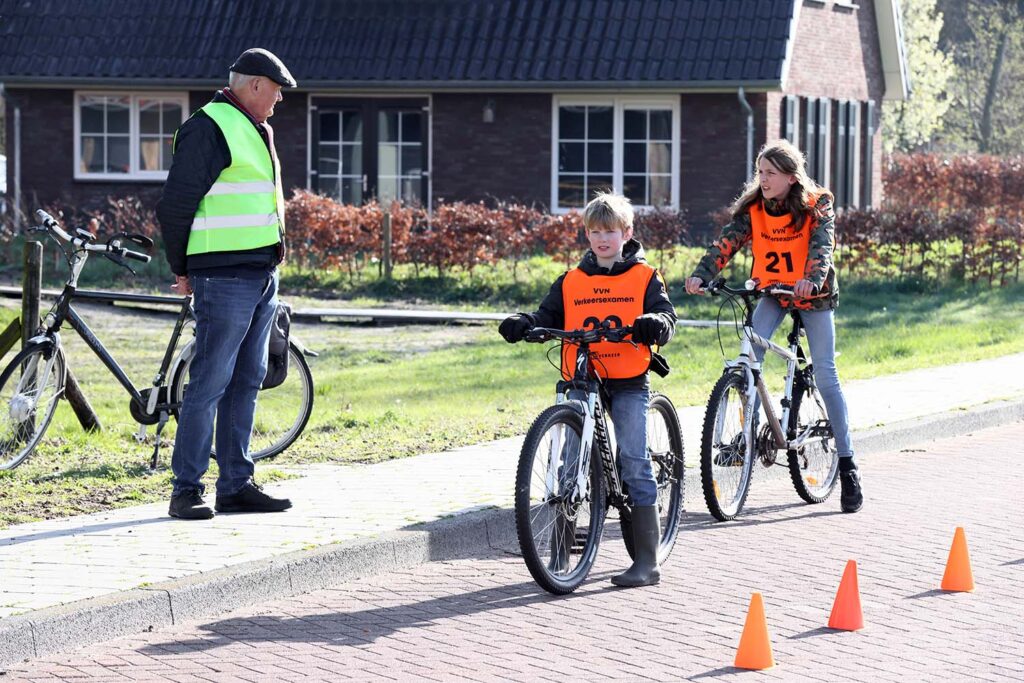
62	561
483	619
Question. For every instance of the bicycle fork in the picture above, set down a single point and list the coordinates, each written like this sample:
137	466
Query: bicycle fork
593	426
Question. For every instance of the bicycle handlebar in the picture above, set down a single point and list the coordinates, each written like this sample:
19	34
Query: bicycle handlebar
750	289
84	240
612	334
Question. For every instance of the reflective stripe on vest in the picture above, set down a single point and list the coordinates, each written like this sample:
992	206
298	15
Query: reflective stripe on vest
780	249
242	210
589	300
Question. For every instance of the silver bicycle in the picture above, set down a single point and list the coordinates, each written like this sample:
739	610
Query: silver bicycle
733	439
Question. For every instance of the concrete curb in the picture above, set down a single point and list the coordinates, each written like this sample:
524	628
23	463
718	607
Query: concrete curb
67	627
74	625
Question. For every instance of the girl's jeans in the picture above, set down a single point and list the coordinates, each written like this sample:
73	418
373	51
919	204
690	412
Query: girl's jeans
629	417
821	336
233	318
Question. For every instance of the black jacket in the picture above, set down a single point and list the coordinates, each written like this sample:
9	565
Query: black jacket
200	154
552	310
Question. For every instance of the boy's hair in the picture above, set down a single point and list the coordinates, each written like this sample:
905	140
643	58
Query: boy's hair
608	209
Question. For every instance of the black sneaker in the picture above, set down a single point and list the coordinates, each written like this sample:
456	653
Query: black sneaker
251	499
851	497
189	505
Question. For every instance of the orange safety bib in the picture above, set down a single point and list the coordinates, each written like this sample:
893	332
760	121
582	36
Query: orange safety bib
589	300
780	249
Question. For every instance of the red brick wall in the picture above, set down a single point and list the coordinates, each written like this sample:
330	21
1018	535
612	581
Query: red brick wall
510	158
713	151
833	39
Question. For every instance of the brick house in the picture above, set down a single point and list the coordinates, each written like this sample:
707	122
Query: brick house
428	100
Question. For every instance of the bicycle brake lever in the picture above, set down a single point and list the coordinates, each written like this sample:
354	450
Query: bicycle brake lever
120	261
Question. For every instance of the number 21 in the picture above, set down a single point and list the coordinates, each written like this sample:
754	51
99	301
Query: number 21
773	261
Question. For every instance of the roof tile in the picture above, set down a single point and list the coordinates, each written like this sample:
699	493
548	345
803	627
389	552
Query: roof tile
353	41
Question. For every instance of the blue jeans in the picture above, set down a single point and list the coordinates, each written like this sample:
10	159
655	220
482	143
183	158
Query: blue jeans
821	337
629	417
233	319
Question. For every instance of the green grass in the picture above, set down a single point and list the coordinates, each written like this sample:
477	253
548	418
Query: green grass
385	393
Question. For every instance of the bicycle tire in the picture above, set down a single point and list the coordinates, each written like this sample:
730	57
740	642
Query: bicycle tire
553	532
814	469
15	410
665	444
293	397
720	465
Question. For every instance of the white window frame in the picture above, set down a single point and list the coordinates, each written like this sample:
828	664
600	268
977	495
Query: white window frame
619	104
134	139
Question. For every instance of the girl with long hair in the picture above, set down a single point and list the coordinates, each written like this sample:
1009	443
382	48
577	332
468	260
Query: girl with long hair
789	222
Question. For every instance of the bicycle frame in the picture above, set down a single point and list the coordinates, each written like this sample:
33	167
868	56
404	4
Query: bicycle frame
584	393
794	357
62	311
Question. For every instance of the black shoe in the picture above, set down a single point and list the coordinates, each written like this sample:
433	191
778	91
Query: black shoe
851	497
251	499
189	505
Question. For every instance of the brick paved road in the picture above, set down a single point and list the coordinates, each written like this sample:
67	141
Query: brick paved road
483	619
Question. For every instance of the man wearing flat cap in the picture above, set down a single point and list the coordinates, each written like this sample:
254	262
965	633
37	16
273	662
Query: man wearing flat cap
222	219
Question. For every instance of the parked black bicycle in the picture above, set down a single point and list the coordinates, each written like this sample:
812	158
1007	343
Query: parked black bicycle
568	474
33	382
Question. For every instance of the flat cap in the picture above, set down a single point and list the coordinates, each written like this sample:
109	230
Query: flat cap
259	62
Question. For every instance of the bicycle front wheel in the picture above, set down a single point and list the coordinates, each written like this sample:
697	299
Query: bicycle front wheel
559	514
726	448
665	446
814	467
281	412
29	390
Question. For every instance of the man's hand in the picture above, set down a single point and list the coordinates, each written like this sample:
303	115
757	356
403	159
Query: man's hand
804	288
693	285
515	327
181	285
649	329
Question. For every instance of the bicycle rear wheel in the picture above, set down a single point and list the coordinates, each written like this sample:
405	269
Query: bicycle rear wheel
559	526
281	412
30	387
726	448
665	445
814	468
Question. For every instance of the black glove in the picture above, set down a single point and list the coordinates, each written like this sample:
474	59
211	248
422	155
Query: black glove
649	329
515	327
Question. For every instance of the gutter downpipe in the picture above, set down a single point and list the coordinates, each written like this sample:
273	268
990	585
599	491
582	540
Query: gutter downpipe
750	131
16	157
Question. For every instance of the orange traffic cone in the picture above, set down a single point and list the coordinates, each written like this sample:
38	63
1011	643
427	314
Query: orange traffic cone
846	614
755	650
958	576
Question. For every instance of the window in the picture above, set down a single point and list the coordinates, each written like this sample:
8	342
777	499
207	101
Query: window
341	155
624	144
811	135
121	136
366	149
791	119
399	156
869	154
839	189
823	161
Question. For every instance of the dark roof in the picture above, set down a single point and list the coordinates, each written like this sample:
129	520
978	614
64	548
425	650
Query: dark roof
441	43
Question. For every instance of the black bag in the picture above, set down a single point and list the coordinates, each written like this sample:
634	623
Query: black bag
277	361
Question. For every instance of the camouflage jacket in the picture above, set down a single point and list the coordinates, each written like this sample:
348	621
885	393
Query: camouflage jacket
818	270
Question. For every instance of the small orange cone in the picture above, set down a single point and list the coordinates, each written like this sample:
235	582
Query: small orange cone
958	576
846	614
755	650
